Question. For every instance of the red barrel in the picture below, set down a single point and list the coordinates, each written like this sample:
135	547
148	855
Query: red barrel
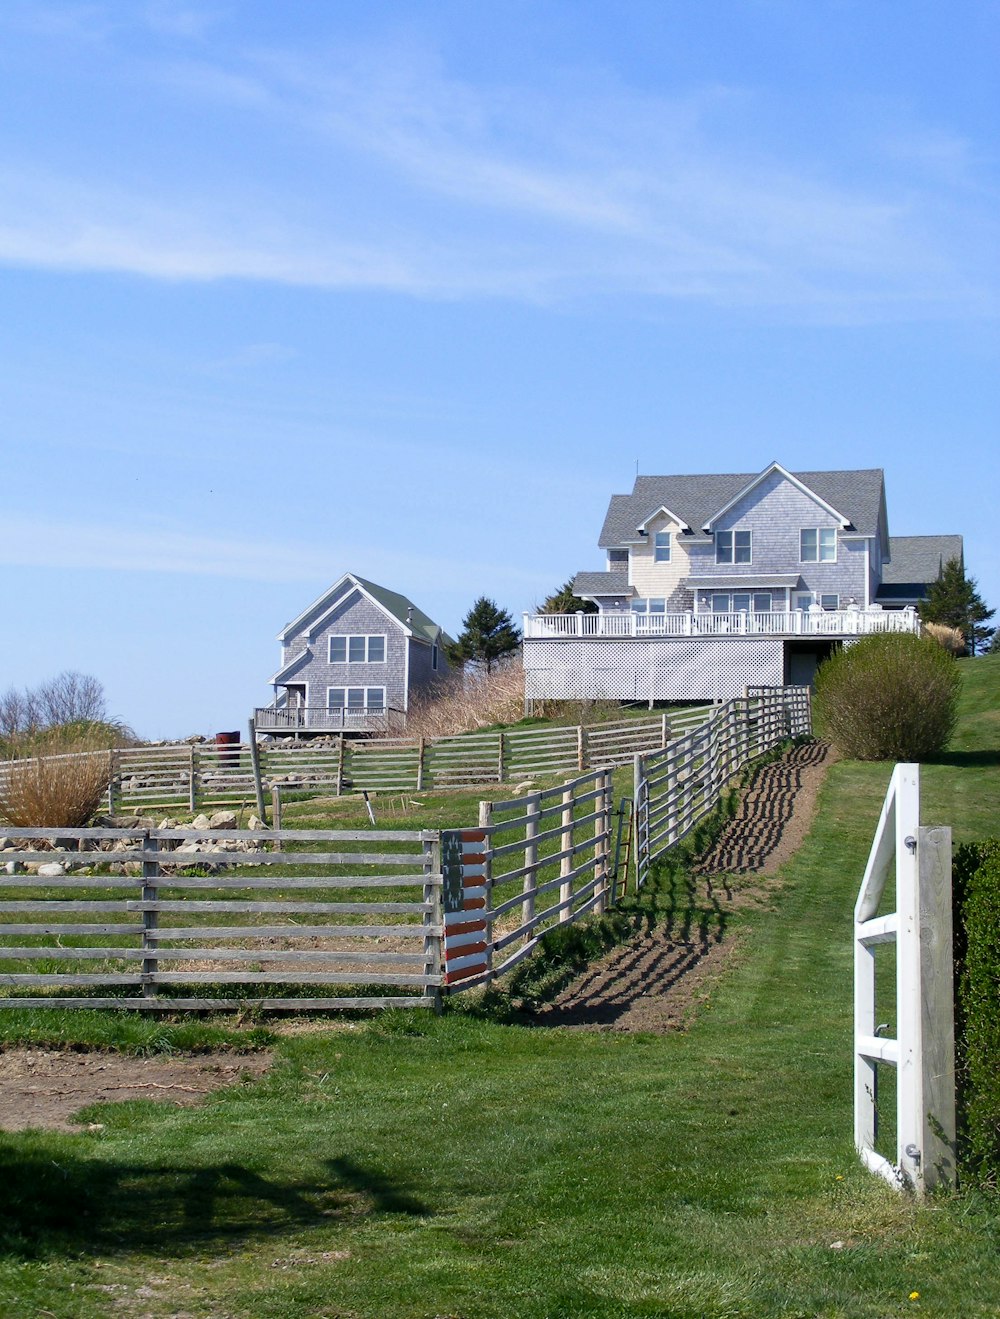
229	748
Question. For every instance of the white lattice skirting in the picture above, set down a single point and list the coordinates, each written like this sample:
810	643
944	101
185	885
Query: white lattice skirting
662	670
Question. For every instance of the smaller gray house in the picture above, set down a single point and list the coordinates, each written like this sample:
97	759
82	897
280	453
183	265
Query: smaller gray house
352	661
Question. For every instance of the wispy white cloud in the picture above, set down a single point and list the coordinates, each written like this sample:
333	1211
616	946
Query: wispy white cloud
448	190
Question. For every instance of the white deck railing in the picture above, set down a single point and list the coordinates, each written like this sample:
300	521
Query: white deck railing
784	623
923	1048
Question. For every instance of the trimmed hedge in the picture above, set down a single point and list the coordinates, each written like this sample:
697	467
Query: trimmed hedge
976	880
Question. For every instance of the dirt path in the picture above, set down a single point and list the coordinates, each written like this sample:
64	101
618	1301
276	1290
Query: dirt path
43	1087
653	982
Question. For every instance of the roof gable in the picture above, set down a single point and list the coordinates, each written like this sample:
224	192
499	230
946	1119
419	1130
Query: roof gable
771	470
413	622
644	524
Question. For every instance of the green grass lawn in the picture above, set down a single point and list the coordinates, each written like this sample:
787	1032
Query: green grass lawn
455	1166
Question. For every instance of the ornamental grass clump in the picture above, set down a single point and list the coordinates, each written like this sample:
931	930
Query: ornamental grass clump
892	696
59	784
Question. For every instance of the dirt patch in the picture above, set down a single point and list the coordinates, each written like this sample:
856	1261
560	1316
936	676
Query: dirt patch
43	1087
655	981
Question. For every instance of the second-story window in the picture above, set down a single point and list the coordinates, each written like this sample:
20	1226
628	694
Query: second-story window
818	545
733	547
661	547
617	559
357	650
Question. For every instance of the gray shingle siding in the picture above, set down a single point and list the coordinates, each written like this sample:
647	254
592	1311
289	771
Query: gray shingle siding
775	512
356	616
422	672
356	607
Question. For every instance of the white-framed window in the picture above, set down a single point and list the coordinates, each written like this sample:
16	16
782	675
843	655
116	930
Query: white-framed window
357	650
733	547
741	602
827	601
661	547
818	545
650	605
617	559
355	698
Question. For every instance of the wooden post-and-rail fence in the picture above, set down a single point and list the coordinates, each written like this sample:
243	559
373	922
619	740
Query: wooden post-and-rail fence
188	777
305	919
676	788
297	919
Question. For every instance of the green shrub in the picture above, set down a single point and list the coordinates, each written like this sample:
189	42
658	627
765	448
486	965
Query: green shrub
891	696
976	878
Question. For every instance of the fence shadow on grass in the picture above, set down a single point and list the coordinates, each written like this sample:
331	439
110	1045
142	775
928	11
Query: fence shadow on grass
59	1203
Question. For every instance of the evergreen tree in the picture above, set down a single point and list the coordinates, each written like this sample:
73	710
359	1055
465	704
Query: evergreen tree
953	599
564	601
487	635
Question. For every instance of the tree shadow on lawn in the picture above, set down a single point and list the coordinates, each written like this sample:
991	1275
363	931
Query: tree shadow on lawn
70	1204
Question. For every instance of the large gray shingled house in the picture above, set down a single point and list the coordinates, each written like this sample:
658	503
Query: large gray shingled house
351	662
717	582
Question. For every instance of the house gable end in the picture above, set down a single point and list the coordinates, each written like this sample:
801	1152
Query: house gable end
769	471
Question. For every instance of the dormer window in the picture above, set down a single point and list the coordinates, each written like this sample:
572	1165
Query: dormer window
733	547
661	550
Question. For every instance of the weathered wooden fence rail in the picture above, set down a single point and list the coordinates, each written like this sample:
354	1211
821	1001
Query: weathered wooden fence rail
674	789
192	776
225	910
239	914
546	861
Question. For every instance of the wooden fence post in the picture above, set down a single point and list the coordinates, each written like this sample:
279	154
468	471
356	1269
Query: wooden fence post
501	752
340	765
581	748
602	841
150	919
276	805
530	886
421	752
664	733
566	863
641	849
485	822
433	913
255	762
937	1008
192	780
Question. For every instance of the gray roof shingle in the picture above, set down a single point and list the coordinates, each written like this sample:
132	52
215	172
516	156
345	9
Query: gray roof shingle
857	495
919	559
602	583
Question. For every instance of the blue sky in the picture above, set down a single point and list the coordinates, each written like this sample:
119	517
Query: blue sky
410	289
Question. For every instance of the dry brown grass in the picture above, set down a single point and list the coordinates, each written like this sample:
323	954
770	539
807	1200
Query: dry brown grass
950	638
56	790
470	700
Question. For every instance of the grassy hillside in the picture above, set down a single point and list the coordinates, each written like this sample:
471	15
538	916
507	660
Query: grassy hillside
420	1167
